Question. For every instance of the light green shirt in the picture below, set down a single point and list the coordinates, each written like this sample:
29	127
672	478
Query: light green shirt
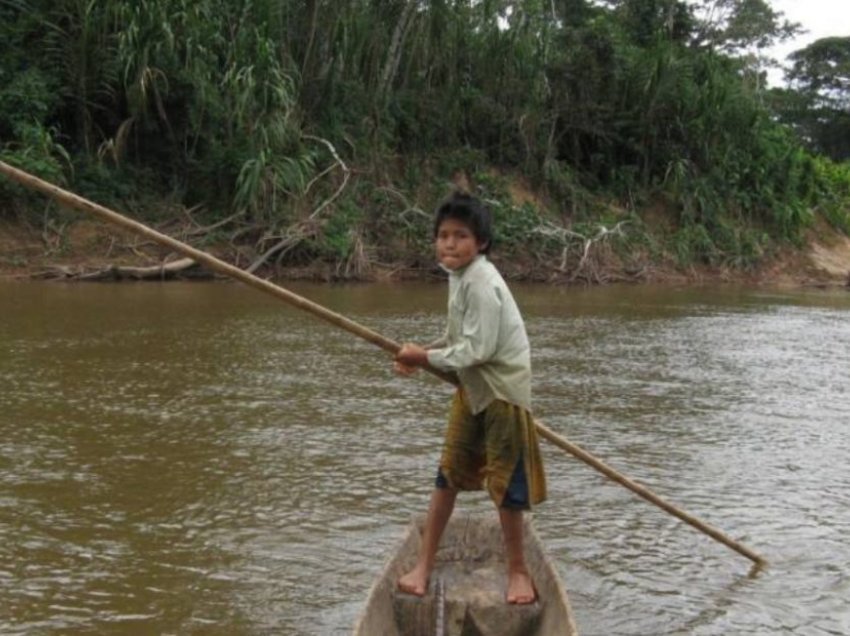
485	341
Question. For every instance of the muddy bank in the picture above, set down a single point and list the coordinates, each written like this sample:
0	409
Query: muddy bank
90	250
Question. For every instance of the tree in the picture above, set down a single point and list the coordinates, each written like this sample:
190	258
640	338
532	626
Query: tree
823	67
820	75
735	26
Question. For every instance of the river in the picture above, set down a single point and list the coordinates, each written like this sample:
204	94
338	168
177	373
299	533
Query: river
201	459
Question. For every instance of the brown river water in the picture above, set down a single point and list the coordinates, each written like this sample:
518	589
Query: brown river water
202	459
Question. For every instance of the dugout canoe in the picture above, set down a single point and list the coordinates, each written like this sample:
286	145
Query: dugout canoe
466	596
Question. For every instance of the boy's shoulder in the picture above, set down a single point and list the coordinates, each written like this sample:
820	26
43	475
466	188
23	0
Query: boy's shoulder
484	277
483	271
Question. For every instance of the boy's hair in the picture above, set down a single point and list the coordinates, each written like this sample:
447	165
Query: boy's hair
472	213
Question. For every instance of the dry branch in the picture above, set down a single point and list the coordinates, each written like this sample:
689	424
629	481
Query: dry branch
163	271
585	268
297	232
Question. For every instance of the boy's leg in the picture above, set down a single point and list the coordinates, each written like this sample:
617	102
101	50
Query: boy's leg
505	447
520	586
442	504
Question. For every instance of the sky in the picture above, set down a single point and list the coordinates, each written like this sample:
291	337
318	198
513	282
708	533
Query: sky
822	18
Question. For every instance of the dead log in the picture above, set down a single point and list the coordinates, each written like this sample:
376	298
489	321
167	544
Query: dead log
180	269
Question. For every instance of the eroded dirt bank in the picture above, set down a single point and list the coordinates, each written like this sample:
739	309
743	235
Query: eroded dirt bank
88	248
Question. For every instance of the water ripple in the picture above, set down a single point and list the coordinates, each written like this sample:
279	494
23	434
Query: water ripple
192	459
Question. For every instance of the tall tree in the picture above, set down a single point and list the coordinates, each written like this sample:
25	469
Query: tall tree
820	77
823	67
735	26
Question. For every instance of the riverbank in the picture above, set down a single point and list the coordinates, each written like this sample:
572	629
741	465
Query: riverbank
84	249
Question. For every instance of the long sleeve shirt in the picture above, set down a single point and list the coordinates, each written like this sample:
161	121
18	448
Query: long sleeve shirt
485	341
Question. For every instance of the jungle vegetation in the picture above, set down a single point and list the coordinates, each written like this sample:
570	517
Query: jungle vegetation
302	131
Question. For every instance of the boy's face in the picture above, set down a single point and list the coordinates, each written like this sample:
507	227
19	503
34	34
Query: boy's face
456	244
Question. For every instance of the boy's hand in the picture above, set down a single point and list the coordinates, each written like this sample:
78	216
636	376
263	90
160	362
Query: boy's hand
412	355
404	369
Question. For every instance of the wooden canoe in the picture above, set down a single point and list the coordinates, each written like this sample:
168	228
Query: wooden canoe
466	596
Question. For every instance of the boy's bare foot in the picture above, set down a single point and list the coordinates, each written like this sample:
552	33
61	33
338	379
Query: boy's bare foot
521	588
414	582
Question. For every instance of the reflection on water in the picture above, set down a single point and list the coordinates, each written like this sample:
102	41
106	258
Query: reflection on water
183	459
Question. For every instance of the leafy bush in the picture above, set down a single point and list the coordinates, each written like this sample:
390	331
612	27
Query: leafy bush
832	187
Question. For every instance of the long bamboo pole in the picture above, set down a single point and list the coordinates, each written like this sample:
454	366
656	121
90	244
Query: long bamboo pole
70	199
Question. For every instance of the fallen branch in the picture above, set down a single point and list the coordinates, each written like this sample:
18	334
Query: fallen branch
570	237
295	235
164	271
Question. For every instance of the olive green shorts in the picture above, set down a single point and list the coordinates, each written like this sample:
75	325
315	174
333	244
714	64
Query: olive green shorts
495	450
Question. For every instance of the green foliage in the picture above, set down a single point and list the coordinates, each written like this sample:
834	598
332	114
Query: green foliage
27	98
819	107
35	151
832	183
222	102
77	49
517	227
727	245
823	67
266	180
741	25
341	229
464	160
110	186
210	80
565	185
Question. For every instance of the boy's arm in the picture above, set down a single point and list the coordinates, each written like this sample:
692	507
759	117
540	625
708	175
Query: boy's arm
479	332
440	342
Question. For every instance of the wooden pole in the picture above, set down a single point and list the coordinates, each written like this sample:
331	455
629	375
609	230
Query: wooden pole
70	199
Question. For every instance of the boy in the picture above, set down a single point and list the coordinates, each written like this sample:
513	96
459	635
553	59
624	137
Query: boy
491	441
